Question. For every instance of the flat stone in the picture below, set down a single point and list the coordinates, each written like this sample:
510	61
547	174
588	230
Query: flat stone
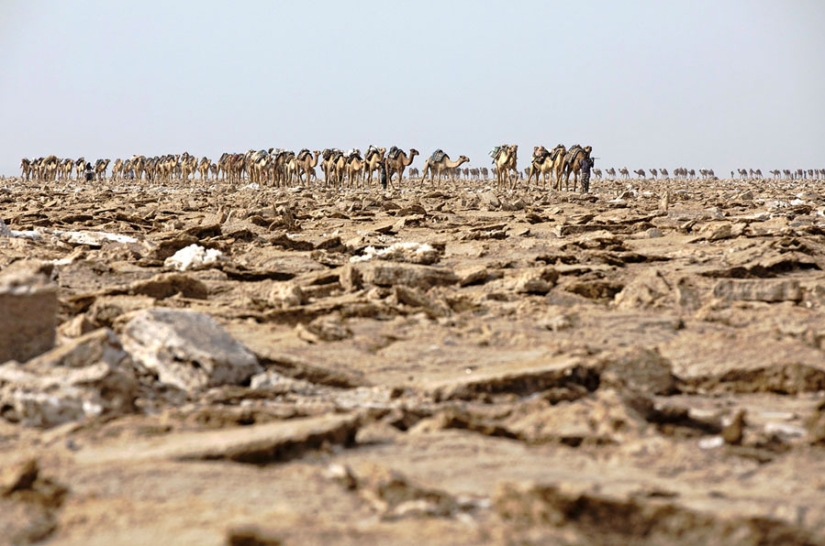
28	314
521	378
767	290
391	274
186	349
258	444
87	377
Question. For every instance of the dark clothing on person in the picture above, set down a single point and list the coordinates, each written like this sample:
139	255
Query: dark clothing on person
89	172
586	164
383	167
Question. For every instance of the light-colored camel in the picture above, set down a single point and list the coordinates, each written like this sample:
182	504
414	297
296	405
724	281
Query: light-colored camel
100	168
355	168
306	162
203	168
188	165
79	166
624	172
372	161
506	159
117	169
399	163
611	172
444	164
547	163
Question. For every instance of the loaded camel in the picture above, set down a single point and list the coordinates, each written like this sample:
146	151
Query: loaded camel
398	161
372	161
572	164
505	157
546	163
306	162
439	163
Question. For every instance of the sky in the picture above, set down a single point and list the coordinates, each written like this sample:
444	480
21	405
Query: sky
719	84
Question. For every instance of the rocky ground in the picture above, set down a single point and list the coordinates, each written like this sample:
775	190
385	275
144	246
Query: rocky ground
450	365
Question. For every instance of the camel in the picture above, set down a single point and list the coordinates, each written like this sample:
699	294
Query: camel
775	173
26	168
597	173
203	168
66	166
654	173
624	173
79	165
485	173
505	158
188	165
611	172
572	163
398	161
47	168
306	162
640	172
438	163
328	163
117	169
372	161
664	173
546	163
413	172
355	167
258	166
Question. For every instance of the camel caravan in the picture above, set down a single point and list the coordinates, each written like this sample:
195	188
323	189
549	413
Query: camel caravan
279	167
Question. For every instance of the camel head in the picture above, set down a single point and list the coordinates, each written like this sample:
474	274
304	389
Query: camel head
463	159
413	152
588	149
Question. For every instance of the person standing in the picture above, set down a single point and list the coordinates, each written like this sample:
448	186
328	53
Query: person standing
586	164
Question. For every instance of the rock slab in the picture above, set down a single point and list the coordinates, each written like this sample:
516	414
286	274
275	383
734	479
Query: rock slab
187	349
28	310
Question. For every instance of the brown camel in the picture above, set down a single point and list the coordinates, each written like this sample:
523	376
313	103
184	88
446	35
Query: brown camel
306	162
439	163
26	168
398	161
100	168
117	169
355	168
572	164
505	157
203	168
372	161
547	163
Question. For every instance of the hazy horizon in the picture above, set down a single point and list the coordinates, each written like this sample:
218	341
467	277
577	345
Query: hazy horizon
699	84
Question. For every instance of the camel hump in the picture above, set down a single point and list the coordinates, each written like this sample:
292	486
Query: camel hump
372	150
393	153
303	153
438	155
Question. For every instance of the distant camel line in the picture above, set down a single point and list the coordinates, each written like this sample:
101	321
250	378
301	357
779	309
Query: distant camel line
282	167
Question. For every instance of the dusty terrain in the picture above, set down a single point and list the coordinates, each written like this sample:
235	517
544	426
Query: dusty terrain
643	364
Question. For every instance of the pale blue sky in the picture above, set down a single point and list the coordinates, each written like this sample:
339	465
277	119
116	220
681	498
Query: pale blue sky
720	84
